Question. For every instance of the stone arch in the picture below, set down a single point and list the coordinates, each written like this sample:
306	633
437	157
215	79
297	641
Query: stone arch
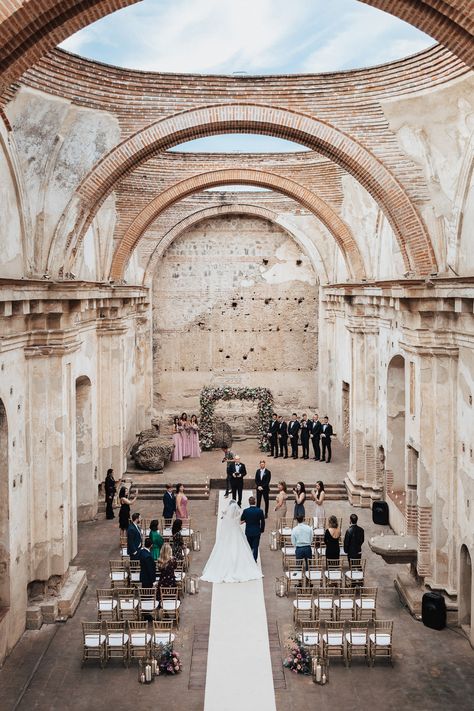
30	28
395	450
465	591
86	493
237	209
4	512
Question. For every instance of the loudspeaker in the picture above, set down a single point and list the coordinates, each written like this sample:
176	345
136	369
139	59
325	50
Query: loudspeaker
433	611
380	513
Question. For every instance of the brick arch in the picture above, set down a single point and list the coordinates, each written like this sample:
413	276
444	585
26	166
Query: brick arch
302	239
29	28
235	176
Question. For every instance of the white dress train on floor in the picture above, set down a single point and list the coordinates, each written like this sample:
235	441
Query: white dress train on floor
231	560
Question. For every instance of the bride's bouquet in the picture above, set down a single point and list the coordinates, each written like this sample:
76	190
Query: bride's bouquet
170	662
298	659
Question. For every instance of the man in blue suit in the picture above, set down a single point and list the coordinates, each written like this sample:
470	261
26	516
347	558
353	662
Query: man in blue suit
147	565
254	520
169	502
134	537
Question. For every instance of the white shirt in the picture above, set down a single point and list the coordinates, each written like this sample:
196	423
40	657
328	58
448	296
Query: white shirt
262	472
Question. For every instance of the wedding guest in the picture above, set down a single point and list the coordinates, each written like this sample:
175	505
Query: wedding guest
194	448
177	455
331	539
318	495
110	486
300	497
354	539
134	537
272	435
263	477
283	436
237	472
185	434
165	568
181	502
280	501
302	539
304	435
156	538
228	459
169	502
177	542
147	565
125	503
316	429
293	430
326	435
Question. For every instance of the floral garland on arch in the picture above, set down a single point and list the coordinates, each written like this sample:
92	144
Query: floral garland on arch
210	395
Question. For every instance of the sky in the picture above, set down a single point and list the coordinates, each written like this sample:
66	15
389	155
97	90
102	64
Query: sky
249	37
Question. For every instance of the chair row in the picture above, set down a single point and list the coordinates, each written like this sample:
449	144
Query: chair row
124	573
137	603
348	639
327	604
323	572
125	640
318	524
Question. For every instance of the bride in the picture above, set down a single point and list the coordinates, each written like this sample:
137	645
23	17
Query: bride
231	560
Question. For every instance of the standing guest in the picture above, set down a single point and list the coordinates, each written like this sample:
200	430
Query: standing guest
156	538
110	486
280	501
169	502
318	495
165	568
302	539
134	537
177	541
326	435
177	455
283	436
263	477
195	449
300	497
316	429
185	432
304	434
293	429
254	525
272	435
237	473
125	503
147	565
228	459
331	539
181	503
354	539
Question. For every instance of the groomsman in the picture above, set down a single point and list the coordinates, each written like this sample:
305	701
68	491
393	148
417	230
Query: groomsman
169	502
326	439
316	429
283	436
305	431
293	429
237	473
263	477
273	436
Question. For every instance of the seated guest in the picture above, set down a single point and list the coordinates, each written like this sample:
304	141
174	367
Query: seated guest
157	539
302	539
134	537
177	542
331	539
147	565
165	568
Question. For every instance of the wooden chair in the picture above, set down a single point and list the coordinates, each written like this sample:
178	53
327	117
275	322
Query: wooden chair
147	603
285	526
166	525
170	604
355	576
187	530
162	635
139	640
93	642
294	575
366	604
315	573
333	641
123	544
145	526
344	604
319	526
357	640
134	573
324	604
381	640
180	576
303	605
309	635
118	574
106	604
127	608
116	641
333	572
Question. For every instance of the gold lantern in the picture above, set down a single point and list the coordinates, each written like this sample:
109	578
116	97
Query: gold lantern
280	586
273	541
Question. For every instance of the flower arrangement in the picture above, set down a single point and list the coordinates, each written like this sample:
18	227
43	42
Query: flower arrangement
170	662
210	395
298	659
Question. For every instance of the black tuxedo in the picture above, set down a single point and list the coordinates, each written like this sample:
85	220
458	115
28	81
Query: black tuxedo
265	484
304	434
293	429
134	541
254	527
326	441
316	429
353	541
273	437
147	568
169	505
237	473
283	437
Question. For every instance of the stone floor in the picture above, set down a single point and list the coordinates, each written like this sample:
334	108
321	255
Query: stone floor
432	670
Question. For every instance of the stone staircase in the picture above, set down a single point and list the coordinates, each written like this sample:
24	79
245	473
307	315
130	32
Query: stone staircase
154	491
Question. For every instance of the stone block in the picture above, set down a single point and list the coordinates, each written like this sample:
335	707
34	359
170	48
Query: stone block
49	609
34	617
71	592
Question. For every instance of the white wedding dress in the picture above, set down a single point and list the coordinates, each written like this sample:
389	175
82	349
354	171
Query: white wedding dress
231	560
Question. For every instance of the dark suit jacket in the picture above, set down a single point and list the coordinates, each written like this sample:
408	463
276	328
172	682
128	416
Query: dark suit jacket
353	541
316	429
283	430
147	568
273	428
169	505
265	482
293	428
254	521
305	431
328	432
134	539
243	470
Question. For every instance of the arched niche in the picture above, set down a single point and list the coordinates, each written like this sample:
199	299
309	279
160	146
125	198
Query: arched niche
4	514
465	592
395	450
85	486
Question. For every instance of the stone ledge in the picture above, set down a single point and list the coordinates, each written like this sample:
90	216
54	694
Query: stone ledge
71	592
360	494
410	592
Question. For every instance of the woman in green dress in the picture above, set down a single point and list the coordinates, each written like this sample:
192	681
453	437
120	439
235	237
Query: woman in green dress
157	539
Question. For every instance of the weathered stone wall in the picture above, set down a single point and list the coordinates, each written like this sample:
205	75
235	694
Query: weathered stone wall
231	304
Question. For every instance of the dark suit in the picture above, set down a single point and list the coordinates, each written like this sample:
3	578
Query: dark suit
169	505
283	437
273	437
264	482
304	434
134	541
147	568
293	429
326	441
316	429
237	474
353	541
254	527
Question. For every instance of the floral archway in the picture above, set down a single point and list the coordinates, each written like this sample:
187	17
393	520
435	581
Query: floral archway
209	397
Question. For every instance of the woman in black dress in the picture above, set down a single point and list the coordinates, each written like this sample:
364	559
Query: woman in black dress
300	497
110	489
331	539
125	503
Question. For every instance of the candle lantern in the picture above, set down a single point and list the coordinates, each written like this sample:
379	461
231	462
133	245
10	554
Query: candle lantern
193	584
273	541
319	670
196	540
146	673
280	586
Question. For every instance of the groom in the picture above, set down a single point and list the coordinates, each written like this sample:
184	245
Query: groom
254	520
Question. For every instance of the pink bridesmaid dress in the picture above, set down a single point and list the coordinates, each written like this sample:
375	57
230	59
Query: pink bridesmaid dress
194	440
183	514
177	455
186	440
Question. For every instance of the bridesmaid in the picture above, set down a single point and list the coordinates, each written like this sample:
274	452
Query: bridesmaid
300	497
318	497
177	455
181	503
280	502
195	450
185	435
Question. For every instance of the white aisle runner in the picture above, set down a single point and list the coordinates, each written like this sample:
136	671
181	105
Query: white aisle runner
239	670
